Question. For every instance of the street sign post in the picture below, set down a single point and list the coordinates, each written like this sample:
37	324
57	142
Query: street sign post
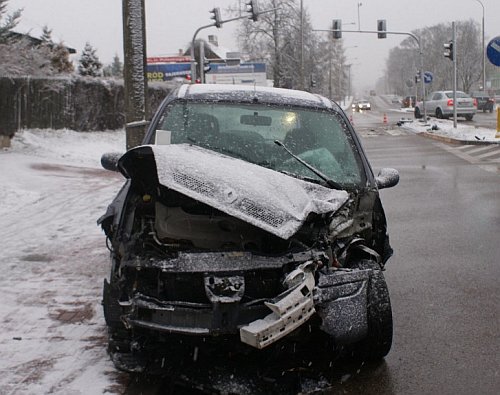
493	51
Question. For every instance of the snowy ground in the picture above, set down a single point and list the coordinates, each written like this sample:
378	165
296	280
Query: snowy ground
53	260
444	128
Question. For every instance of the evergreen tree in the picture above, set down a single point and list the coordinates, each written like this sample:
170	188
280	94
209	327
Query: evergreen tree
89	64
7	22
57	54
46	36
114	69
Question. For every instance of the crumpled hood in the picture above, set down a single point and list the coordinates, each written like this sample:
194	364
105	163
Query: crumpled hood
267	199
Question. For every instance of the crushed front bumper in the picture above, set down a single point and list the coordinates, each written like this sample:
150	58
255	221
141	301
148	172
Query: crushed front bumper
338	297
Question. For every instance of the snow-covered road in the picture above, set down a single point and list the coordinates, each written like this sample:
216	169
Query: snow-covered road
53	260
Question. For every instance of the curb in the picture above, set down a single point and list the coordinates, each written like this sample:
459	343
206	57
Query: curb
451	140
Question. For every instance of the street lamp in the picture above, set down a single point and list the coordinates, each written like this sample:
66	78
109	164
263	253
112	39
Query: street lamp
483	49
359	23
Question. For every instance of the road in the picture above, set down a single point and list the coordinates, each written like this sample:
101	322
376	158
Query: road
444	218
444	221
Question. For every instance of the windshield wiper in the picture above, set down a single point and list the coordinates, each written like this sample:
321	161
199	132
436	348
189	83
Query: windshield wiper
329	182
303	178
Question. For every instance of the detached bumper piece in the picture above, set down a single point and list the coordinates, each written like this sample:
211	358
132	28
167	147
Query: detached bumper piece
289	310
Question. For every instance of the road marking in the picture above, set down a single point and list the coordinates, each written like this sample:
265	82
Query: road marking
395	132
493	152
477	150
485	155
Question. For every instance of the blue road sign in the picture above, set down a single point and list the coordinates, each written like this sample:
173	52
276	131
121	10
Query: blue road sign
493	51
428	77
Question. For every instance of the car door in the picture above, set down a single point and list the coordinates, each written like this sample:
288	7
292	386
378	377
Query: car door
430	102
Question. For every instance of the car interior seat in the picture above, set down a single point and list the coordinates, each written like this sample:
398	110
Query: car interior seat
203	129
300	140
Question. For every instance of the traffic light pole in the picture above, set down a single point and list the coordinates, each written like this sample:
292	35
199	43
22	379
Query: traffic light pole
398	33
453	39
193	60
219	24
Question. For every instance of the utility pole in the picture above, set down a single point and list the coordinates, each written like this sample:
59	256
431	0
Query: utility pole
134	71
483	48
302	85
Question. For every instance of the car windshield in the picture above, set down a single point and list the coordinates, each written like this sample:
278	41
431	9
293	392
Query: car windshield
249	131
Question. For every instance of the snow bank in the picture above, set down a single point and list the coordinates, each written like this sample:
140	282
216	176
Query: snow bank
67	146
444	128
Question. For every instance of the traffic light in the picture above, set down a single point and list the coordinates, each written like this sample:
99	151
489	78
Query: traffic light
448	51
206	66
337	29
313	82
254	10
417	77
216	17
382	28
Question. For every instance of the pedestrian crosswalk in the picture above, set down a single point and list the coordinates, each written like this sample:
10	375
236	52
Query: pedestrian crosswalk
477	154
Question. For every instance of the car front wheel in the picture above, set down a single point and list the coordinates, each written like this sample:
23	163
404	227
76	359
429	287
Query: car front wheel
378	341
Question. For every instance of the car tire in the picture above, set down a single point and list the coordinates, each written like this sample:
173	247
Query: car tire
439	113
377	344
417	113
469	117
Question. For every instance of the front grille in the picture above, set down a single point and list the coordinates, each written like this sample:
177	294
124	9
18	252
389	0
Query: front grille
195	184
261	213
190	287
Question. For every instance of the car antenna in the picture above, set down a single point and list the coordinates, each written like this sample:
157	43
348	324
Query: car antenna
328	181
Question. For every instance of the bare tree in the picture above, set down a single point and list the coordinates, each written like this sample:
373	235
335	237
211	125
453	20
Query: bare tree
19	58
265	40
296	56
403	64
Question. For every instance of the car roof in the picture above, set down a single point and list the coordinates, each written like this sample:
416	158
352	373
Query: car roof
253	94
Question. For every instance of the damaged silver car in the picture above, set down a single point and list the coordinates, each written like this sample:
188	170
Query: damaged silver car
249	217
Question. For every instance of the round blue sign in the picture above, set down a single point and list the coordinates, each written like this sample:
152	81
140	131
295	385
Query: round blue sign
428	77
493	51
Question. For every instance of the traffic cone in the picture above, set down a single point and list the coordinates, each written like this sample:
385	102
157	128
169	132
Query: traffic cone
385	119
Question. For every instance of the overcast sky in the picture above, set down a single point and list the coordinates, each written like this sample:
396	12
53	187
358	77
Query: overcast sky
171	24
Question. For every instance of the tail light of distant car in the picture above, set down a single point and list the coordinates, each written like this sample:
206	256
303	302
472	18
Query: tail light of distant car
475	102
450	103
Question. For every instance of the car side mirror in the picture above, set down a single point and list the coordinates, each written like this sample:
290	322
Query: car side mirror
109	160
387	178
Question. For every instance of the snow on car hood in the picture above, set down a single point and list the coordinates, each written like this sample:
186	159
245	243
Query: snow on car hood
267	199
